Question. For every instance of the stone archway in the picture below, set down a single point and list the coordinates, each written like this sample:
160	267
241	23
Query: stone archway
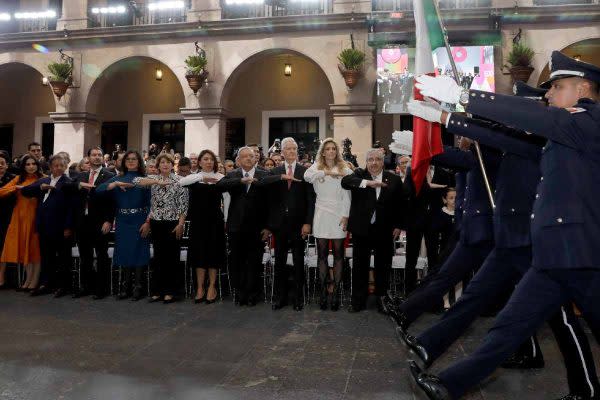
128	91
587	50
24	106
258	92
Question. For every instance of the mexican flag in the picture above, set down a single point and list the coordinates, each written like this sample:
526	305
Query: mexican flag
427	138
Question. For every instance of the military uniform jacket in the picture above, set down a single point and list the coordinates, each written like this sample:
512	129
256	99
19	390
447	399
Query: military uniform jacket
565	222
476	220
461	181
518	176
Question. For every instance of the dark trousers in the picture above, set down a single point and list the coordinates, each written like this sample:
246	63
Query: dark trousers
246	256
414	237
464	260
55	251
90	239
535	300
285	240
503	268
380	242
166	257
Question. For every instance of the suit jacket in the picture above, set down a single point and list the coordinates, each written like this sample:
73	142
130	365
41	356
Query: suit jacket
101	207
57	213
247	210
517	179
565	222
390	208
296	203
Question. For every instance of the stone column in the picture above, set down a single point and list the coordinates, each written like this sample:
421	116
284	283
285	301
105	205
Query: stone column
204	10
348	6
205	129
75	132
354	121
74	15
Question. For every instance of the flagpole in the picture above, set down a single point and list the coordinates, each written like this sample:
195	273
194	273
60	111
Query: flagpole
455	71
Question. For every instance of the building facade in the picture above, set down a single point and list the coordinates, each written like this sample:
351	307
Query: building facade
129	82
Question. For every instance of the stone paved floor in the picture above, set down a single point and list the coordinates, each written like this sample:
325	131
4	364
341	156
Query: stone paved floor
85	349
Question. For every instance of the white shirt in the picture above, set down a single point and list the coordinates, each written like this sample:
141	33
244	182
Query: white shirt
96	173
53	181
378	178
250	173
286	165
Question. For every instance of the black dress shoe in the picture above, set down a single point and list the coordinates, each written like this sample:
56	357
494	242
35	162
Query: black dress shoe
98	296
430	384
524	362
355	309
298	307
382	305
41	291
122	296
399	319
278	305
417	348
251	303
80	293
60	293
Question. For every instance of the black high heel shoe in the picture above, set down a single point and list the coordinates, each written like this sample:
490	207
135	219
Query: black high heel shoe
335	298
323	299
201	299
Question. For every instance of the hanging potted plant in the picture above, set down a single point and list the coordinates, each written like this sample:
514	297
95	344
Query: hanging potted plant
351	64
520	58
196	72
61	76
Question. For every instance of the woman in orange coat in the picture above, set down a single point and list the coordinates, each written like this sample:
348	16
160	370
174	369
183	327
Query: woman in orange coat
22	243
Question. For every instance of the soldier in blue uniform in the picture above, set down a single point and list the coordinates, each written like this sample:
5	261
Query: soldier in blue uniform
476	235
565	222
517	179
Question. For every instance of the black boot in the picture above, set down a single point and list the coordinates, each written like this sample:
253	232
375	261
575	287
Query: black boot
124	287
335	297
137	286
324	295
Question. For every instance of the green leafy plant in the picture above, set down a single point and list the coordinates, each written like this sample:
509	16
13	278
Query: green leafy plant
195	64
520	56
60	72
352	59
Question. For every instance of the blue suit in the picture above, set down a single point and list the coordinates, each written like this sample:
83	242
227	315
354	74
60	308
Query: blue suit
55	215
476	232
565	230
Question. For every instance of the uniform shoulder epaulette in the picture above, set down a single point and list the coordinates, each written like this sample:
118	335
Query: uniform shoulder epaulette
575	110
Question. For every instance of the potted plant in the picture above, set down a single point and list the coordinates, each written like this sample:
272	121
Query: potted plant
519	59
351	64
61	76
196	72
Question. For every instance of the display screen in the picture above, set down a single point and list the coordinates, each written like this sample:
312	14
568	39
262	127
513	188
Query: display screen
395	73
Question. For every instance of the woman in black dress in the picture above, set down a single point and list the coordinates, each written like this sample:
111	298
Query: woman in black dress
207	226
6	208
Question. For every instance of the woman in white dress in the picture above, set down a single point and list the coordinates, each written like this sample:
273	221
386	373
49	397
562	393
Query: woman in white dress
331	215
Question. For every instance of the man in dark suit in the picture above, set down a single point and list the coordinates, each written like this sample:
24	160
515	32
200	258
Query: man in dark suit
246	224
95	218
291	208
375	221
565	233
55	223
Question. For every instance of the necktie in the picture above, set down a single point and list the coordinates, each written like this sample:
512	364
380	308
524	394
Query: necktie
92	176
247	184
291	173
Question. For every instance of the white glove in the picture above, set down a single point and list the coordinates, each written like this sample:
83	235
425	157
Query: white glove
429	111
442	88
402	143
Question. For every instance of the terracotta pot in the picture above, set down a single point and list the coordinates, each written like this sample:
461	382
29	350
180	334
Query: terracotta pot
521	73
351	77
197	81
59	88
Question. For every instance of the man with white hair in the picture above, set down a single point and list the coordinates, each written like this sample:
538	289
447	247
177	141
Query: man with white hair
291	210
376	219
246	221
